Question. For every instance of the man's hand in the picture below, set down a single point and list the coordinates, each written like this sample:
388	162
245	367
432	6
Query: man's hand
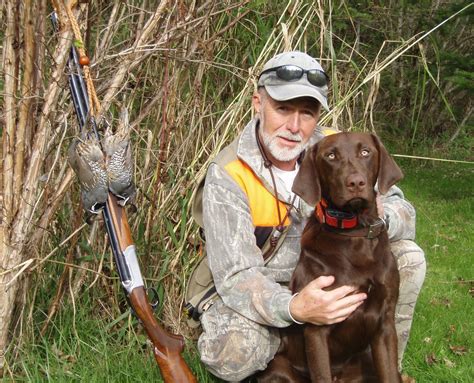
317	306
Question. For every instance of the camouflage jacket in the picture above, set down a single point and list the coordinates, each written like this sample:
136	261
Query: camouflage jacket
257	291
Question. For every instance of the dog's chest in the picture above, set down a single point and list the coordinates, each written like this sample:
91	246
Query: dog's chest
352	261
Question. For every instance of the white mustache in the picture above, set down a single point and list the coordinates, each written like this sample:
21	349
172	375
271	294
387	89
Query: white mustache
289	136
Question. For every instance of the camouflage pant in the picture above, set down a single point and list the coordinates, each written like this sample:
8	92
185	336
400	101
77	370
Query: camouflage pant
233	347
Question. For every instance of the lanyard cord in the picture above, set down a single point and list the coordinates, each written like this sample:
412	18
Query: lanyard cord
93	100
268	164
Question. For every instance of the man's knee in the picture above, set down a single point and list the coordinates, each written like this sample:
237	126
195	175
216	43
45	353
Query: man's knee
233	347
411	265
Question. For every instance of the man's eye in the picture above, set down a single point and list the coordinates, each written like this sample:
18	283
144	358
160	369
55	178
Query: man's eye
331	156
364	153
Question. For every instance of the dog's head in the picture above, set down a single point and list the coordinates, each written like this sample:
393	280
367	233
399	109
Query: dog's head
344	168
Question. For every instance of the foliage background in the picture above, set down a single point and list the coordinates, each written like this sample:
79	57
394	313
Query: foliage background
400	68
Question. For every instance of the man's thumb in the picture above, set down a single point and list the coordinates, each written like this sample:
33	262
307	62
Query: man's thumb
323	281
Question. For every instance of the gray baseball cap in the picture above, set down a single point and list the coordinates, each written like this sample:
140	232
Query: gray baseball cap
282	90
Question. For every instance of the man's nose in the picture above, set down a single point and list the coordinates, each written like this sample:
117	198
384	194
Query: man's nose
294	123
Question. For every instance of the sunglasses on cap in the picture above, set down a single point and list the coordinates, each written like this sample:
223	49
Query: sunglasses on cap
315	77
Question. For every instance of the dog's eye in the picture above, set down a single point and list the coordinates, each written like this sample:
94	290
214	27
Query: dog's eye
364	152
331	156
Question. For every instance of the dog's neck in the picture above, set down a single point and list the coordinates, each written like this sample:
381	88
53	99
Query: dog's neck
341	221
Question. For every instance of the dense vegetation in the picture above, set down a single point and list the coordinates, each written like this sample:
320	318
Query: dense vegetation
186	73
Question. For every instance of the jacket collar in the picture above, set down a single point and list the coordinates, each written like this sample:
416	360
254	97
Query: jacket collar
249	152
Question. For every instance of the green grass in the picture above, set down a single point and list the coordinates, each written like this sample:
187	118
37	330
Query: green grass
440	347
94	352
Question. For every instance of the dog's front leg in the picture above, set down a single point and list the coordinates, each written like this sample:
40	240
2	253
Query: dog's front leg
317	353
384	352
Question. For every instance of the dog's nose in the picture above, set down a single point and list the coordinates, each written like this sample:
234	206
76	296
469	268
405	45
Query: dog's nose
355	182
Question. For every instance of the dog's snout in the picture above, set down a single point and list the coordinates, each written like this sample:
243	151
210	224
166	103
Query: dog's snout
355	182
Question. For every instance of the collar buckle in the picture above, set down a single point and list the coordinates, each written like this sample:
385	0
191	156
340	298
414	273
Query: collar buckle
375	229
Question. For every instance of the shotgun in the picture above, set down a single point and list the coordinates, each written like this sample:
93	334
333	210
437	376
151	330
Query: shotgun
167	348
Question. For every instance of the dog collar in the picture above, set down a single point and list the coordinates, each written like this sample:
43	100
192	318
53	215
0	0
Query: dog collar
335	218
338	221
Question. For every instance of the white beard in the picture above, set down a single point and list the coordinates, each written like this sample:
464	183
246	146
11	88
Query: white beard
283	154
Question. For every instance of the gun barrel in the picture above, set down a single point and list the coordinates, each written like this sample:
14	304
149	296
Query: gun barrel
114	218
78	89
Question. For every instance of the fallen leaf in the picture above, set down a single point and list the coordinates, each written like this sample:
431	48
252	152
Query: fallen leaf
459	350
431	359
448	363
446	302
452	329
440	301
61	355
408	379
447	237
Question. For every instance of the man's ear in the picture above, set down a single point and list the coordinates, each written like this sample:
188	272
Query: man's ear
389	172
257	101
306	183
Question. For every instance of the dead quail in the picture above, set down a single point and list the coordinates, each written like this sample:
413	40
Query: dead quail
87	160
118	159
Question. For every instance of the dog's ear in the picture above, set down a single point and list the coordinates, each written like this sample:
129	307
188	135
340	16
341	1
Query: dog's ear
389	172
306	183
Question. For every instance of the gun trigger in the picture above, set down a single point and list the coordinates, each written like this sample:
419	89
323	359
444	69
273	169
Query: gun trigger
130	306
153	297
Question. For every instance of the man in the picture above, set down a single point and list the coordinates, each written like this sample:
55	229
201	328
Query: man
240	329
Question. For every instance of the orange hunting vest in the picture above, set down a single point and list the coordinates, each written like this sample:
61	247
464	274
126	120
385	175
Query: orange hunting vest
262	203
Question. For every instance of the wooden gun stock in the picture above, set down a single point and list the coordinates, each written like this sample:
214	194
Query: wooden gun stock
167	347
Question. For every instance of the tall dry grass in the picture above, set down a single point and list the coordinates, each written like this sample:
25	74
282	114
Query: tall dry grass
186	70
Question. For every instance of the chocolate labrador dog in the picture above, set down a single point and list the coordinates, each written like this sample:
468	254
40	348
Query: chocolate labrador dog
344	238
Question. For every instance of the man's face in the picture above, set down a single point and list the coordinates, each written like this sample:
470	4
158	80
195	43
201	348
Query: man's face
286	126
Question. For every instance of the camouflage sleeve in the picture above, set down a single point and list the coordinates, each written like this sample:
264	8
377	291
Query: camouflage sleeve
236	263
400	213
